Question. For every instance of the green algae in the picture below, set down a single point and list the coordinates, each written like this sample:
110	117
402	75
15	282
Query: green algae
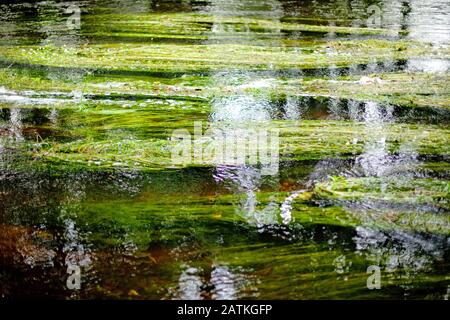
206	232
420	205
132	79
219	237
200	26
406	89
193	26
366	214
310	140
166	217
415	191
204	58
400	89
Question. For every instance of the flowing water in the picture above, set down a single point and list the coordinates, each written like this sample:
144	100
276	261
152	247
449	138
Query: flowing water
356	206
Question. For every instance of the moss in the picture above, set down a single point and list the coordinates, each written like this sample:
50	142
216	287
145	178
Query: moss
407	89
85	143
419	205
400	89
200	25
310	140
203	58
415	191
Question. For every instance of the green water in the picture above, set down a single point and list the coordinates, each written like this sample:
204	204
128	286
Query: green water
361	103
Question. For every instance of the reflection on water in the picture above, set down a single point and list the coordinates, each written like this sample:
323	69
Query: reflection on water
423	20
223	284
429	65
190	285
375	159
228	231
396	251
403	256
244	180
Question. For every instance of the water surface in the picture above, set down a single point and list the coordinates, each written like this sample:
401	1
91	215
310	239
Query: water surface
358	92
